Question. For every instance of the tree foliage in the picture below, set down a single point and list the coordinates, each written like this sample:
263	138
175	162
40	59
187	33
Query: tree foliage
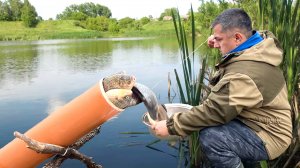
144	20
99	23
167	12
113	26
16	10
5	11
29	15
126	22
83	11
208	11
15	7
78	16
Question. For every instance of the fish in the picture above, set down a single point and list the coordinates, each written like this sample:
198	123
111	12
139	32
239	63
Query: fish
118	89
156	111
118	80
122	98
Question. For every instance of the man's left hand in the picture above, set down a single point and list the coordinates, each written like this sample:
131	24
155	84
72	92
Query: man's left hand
160	128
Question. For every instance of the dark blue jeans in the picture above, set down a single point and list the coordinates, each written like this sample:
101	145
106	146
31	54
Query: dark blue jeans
228	145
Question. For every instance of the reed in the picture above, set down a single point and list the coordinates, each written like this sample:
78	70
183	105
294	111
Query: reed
282	17
191	85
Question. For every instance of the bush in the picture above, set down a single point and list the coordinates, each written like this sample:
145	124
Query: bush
78	16
126	22
144	20
99	23
113	26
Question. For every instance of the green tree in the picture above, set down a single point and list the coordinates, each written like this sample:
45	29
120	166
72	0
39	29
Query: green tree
209	10
126	23
144	20
5	12
113	26
167	12
29	15
15	6
138	25
78	16
89	9
99	23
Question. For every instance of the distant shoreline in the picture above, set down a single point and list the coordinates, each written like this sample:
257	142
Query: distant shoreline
66	29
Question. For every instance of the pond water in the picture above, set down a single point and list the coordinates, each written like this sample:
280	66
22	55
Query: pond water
36	77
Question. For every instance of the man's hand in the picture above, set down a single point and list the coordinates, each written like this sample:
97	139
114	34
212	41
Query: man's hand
160	128
118	89
210	41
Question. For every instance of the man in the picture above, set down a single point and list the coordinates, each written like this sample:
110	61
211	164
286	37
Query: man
247	115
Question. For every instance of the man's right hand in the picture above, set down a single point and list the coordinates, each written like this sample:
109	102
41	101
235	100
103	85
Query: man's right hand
210	41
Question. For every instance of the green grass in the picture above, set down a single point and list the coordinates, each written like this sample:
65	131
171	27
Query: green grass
162	25
66	29
44	30
154	28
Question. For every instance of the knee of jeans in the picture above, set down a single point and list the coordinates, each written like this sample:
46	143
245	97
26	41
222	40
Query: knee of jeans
211	138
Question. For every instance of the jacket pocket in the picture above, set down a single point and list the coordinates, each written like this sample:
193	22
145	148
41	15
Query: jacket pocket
221	84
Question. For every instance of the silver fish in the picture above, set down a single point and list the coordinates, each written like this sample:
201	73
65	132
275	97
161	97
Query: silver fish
156	111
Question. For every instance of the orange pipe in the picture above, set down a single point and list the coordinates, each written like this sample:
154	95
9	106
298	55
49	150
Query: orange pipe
63	127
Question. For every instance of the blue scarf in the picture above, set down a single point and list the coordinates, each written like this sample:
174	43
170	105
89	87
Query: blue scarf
254	39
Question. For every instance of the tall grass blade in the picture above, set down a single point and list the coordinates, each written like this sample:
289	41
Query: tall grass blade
181	93
161	151
190	91
263	164
201	78
153	142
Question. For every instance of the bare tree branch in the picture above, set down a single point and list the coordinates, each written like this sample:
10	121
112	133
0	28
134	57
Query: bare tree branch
62	153
40	147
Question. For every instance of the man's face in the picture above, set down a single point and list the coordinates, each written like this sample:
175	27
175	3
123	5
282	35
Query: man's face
224	41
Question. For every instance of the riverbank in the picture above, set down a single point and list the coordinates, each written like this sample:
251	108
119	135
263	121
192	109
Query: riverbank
67	29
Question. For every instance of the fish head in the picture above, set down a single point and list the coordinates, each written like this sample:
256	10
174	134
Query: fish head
119	81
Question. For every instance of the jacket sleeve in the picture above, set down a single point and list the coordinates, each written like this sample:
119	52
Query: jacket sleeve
227	99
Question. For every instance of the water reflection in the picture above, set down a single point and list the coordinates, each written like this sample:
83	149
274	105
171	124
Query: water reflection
38	77
91	55
87	55
54	104
17	63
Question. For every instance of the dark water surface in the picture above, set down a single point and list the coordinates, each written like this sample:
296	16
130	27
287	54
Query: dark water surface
37	77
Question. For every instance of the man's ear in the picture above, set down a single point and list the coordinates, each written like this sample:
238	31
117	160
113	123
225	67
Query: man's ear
239	38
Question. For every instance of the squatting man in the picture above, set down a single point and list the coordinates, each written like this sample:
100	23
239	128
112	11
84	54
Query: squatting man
248	91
